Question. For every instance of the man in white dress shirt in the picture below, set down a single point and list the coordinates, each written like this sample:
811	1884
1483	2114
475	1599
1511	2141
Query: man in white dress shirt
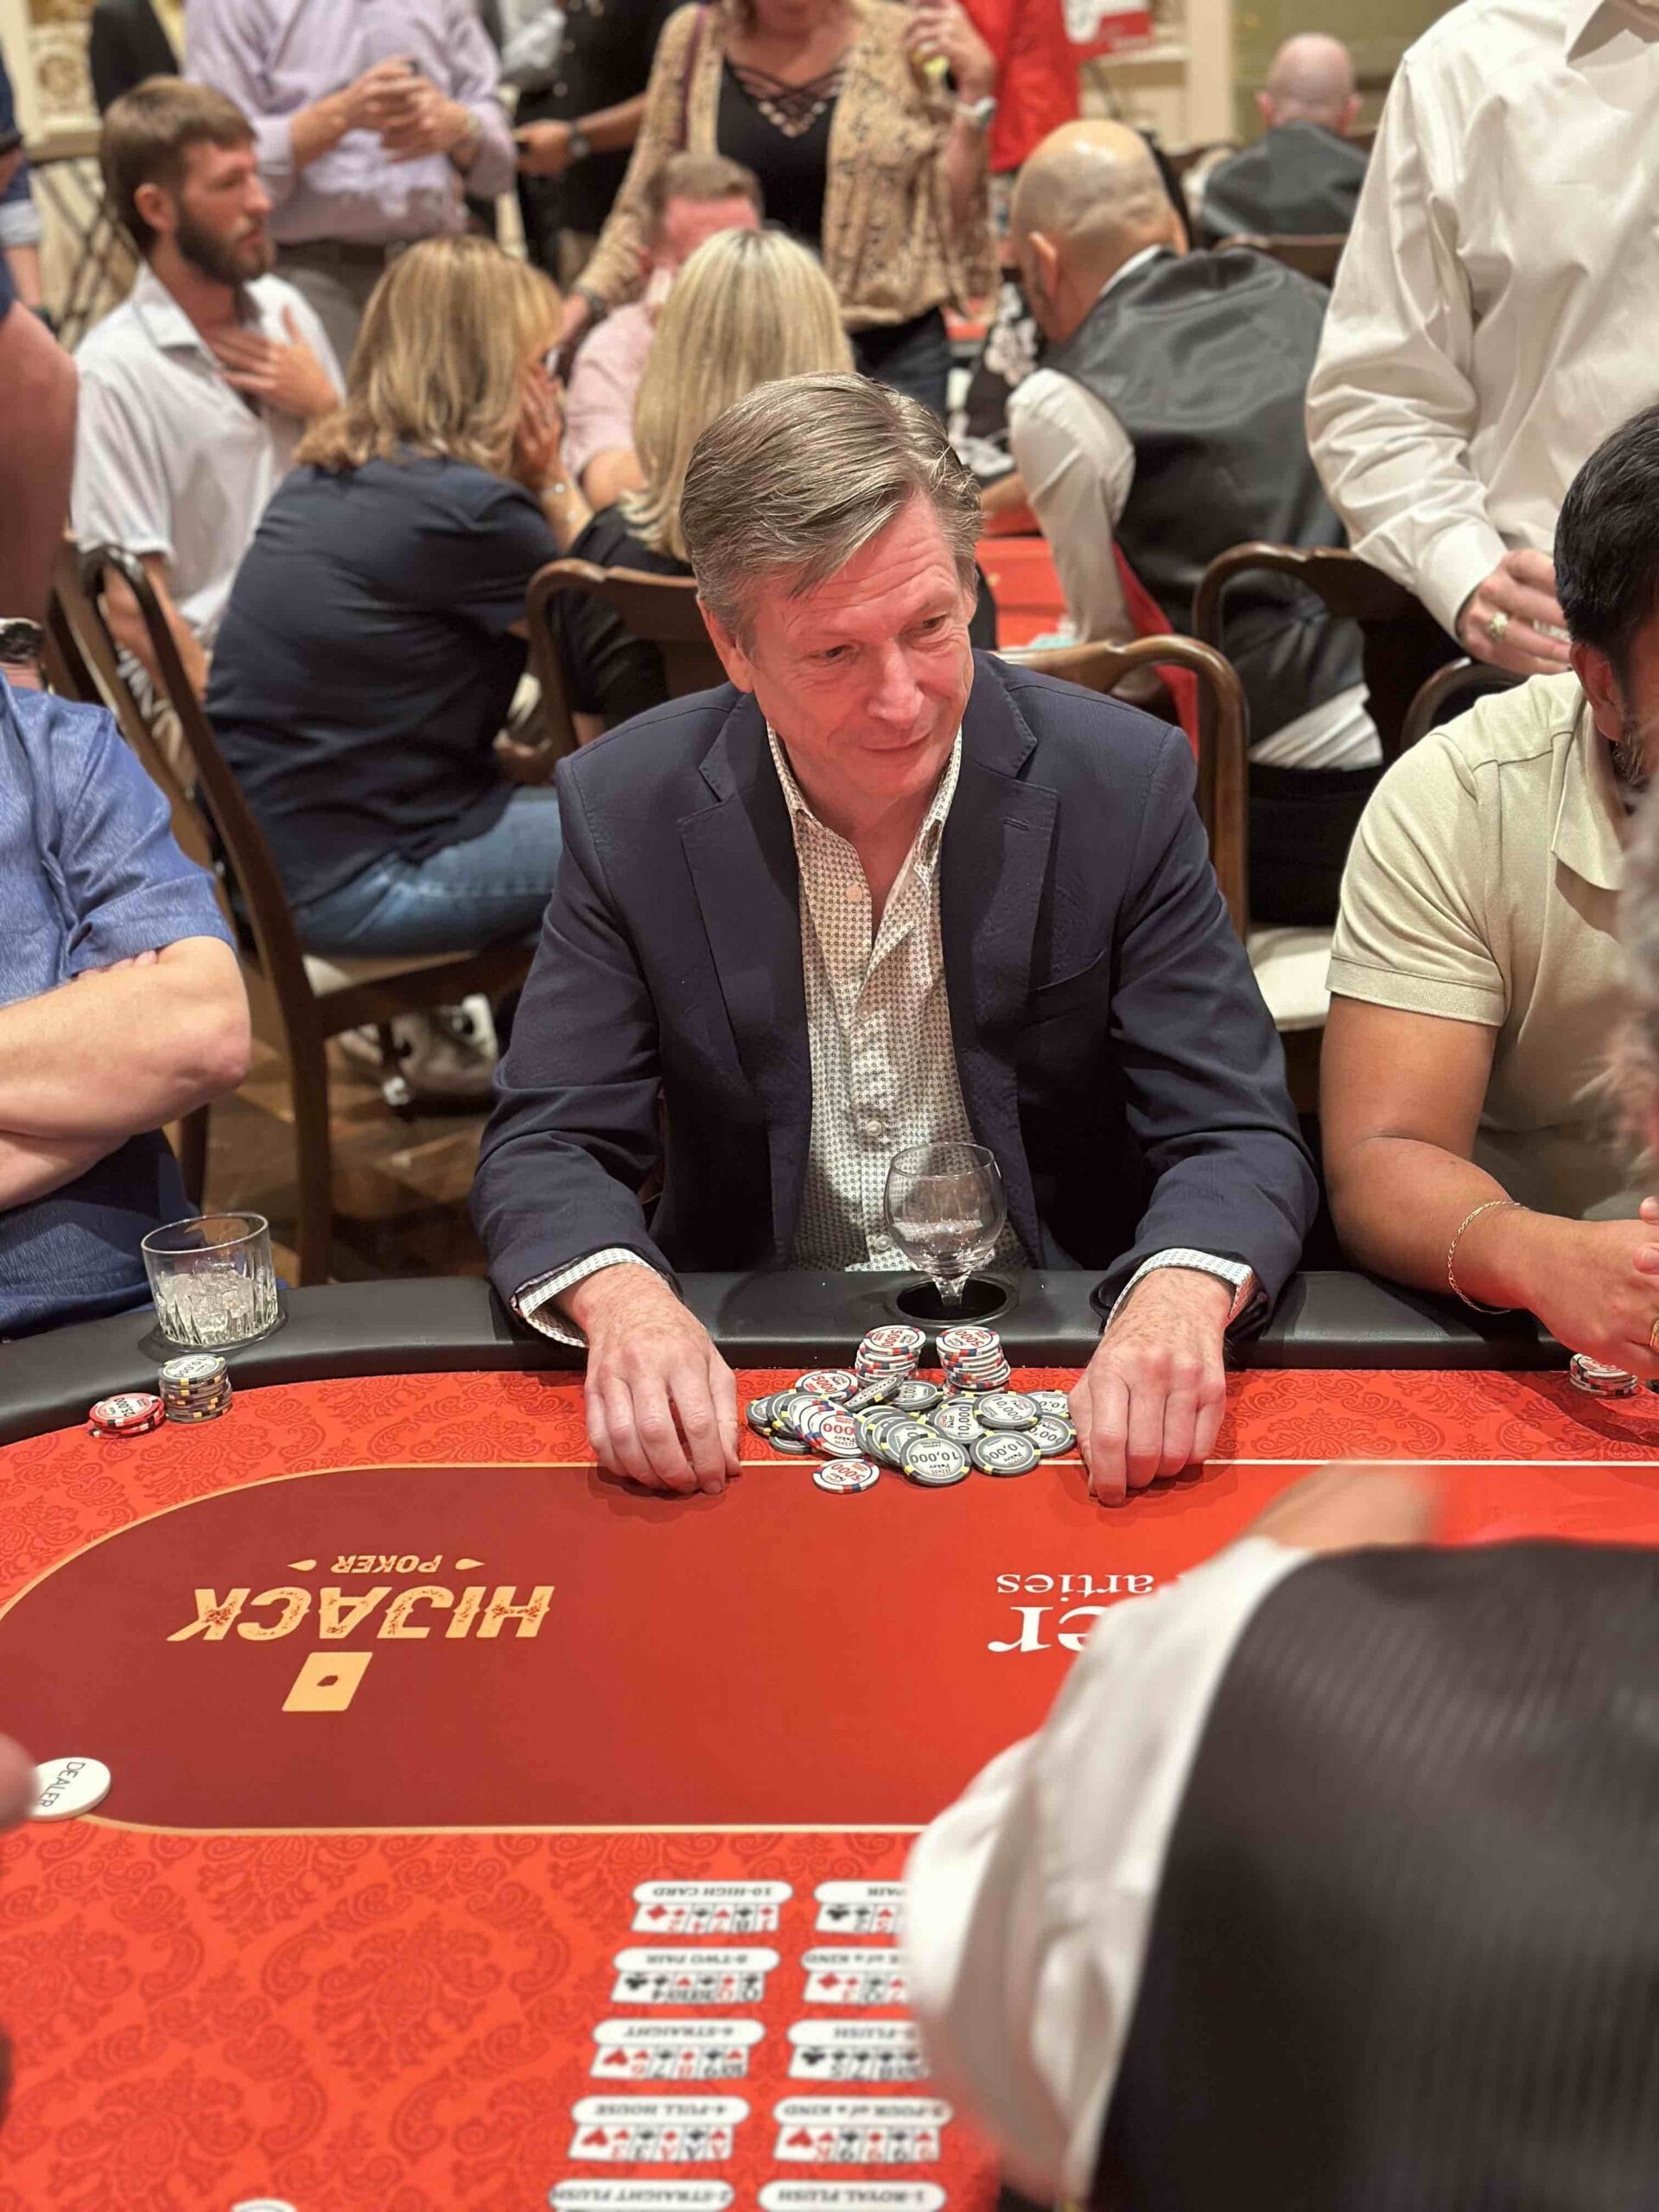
1327	1883
195	391
1491	318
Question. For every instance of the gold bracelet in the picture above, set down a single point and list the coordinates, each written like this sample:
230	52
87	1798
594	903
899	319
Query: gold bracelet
1488	1206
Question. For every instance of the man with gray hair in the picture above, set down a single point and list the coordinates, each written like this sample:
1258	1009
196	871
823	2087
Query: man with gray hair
880	891
1301	178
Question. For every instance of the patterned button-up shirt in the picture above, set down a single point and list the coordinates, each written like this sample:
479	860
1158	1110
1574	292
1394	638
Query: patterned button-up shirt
884	1065
878	1020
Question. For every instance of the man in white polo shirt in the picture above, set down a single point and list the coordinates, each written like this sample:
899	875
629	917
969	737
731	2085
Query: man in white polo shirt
1476	977
195	391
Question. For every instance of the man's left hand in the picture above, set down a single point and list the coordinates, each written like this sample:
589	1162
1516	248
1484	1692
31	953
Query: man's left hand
426	122
289	378
1151	1400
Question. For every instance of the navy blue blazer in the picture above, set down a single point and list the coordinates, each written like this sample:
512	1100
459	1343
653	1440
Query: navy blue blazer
1113	1049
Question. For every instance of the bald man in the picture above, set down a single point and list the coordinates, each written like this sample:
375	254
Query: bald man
1167	416
1301	178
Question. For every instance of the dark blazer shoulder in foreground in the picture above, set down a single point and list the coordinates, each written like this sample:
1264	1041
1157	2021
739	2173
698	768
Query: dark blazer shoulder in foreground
1113	1049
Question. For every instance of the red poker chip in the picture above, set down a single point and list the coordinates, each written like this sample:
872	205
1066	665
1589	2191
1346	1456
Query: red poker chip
131	1428
128	1409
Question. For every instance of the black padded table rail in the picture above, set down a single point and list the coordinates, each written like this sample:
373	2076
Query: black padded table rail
1324	1320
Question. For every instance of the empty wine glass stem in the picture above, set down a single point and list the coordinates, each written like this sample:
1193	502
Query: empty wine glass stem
950	1288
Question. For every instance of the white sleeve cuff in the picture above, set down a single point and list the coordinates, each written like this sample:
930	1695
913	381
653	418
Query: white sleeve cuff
1235	1272
534	1301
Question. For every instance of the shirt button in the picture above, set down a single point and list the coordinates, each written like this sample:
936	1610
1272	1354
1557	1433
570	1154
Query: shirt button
871	1128
855	892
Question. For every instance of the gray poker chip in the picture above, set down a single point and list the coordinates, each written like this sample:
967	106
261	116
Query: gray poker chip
758	1414
834	1383
836	1433
933	1461
881	1390
1005	1452
957	1420
800	1414
792	1445
1051	1435
847	1474
1008	1409
918	1395
1052	1401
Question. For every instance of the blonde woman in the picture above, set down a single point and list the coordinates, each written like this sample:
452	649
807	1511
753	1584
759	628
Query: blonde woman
866	123
375	632
748	306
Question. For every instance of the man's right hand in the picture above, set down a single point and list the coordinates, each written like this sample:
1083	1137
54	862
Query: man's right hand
1345	1507
1522	587
543	148
661	1402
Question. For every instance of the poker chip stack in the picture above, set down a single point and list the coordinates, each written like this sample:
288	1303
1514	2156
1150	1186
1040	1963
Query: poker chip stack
890	1354
973	1359
195	1388
134	1412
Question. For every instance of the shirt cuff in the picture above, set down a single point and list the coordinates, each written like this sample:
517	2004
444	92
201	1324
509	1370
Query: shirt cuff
1236	1272
533	1302
1453	565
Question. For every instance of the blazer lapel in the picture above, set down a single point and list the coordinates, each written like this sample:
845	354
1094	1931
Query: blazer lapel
741	855
994	863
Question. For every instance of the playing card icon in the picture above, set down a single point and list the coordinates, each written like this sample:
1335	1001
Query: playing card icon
814	2057
656	1912
616	2061
634	1980
798	2139
837	1912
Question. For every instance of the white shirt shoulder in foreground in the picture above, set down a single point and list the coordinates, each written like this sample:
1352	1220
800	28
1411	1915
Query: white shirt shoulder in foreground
1029	1902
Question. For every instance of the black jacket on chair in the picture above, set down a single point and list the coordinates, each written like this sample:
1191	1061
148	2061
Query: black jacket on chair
126	45
1297	181
1112	1047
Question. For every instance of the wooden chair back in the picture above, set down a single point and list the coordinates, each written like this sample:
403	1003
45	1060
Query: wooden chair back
663	610
1404	644
1313	254
1459	679
1222	795
284	998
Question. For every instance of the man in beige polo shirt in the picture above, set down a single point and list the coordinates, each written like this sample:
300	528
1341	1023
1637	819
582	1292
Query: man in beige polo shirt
1476	978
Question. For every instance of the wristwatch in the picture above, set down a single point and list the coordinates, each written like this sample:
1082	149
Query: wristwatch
21	643
580	144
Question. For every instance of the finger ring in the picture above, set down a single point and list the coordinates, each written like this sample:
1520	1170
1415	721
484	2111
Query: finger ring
1498	628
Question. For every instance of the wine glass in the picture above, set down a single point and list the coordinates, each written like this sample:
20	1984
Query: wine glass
946	1208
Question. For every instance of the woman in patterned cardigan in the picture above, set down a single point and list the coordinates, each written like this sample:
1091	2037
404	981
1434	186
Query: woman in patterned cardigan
866	123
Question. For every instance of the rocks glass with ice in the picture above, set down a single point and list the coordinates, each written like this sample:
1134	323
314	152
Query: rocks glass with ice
212	1280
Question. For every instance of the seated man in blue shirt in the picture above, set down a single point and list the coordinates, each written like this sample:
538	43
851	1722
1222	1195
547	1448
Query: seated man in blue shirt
121	1008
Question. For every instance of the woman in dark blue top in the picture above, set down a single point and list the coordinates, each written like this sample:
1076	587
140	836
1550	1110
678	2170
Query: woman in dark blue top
374	636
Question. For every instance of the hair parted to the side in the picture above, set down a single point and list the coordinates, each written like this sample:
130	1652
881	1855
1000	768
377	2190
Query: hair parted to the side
798	477
748	306
1607	541
440	362
146	138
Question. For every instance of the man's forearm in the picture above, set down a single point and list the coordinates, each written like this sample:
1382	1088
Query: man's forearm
613	129
127	625
37	457
317	130
33	1167
176	1028
1398	1202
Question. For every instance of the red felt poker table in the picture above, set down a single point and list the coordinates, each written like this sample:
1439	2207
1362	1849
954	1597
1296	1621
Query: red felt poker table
484	1832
